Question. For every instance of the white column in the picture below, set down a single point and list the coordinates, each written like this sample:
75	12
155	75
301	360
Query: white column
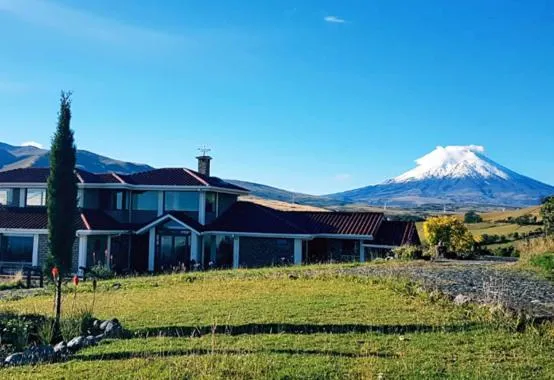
35	250
202	208
194	252
82	252
160	203
362	251
151	248
109	252
236	250
297	252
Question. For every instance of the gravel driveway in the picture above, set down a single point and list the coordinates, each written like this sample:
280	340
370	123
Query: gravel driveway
483	282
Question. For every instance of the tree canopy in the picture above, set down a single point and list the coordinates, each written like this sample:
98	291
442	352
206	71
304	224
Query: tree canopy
547	214
450	231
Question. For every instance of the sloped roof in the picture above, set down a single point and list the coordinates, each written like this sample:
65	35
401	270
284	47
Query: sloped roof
155	177
36	219
397	233
251	217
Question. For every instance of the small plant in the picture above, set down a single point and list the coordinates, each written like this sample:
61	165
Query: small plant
15	332
101	272
77	325
408	252
545	262
45	331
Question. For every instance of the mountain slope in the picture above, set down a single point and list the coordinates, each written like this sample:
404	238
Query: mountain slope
454	175
14	157
269	192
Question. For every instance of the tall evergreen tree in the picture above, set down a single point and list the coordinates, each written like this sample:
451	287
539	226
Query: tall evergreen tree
62	202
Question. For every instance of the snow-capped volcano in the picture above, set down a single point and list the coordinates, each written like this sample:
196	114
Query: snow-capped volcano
454	174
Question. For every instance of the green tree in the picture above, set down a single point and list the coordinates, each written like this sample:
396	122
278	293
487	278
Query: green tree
61	202
472	217
547	214
450	231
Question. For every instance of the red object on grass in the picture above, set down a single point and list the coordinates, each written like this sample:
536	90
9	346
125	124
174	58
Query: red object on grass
76	280
55	273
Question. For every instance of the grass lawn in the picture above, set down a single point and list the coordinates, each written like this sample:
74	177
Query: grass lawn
280	323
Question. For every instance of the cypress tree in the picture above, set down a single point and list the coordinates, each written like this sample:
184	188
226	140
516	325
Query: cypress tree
61	202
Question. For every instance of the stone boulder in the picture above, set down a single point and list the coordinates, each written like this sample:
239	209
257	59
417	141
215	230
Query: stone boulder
460	300
76	344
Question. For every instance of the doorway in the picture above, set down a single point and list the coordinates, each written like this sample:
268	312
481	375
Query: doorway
173	251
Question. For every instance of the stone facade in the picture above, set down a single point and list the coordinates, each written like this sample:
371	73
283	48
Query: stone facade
259	252
43	251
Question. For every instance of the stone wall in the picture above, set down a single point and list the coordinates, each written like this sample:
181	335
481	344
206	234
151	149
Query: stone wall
259	252
43	251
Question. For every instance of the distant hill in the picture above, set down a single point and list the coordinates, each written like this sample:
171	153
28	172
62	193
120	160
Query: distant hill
269	192
15	157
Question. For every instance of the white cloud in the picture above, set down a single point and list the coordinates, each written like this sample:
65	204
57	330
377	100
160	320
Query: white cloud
334	19
342	177
32	143
74	22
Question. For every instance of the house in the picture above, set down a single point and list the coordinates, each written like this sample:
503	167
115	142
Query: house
176	217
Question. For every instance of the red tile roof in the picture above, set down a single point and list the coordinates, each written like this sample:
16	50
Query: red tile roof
251	217
155	177
397	233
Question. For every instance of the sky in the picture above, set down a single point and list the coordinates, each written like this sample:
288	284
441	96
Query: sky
313	96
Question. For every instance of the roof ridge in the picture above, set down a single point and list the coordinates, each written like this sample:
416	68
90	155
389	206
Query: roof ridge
188	171
85	221
278	214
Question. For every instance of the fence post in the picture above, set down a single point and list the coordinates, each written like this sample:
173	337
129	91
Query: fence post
41	279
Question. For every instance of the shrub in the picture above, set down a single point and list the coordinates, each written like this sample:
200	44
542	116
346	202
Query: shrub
407	252
77	325
509	251
15	332
101	272
472	217
545	262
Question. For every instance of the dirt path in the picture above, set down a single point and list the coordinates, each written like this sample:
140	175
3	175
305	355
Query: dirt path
483	282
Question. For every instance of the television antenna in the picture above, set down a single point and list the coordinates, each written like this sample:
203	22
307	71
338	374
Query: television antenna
204	150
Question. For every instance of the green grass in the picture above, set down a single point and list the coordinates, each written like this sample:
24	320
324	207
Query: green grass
281	323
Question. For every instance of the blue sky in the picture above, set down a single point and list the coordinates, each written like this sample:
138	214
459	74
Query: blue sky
313	96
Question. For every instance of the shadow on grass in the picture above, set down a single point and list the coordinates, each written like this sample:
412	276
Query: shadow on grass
298	329
124	355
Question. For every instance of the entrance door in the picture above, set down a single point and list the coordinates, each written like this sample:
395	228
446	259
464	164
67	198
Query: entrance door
173	252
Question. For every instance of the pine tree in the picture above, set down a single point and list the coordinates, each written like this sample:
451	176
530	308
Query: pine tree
61	202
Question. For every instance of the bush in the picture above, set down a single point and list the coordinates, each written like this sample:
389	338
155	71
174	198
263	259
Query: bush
101	272
472	217
408	252
78	325
509	251
545	262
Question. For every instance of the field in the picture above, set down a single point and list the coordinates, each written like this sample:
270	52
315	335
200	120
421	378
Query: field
292	323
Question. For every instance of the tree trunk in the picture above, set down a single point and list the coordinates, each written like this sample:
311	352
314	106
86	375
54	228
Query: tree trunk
56	332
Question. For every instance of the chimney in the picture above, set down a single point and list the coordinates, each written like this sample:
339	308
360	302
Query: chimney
204	164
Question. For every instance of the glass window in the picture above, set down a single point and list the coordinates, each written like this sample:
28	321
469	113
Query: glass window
36	197
119	200
181	201
16	248
6	197
225	201
145	200
210	202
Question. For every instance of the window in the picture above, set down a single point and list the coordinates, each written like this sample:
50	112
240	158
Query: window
145	200
36	197
210	202
225	201
119	200
6	197
16	248
181	201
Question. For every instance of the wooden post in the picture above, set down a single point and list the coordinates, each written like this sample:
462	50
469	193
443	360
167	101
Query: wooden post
28	278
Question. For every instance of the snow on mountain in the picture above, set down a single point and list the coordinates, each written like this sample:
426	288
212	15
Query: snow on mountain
453	162
460	175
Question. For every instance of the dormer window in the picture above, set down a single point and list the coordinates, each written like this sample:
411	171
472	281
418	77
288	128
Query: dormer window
35	197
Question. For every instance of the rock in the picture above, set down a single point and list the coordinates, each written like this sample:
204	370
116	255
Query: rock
116	286
99	337
90	341
96	323
460	300
76	343
113	329
39	354
62	346
15	359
